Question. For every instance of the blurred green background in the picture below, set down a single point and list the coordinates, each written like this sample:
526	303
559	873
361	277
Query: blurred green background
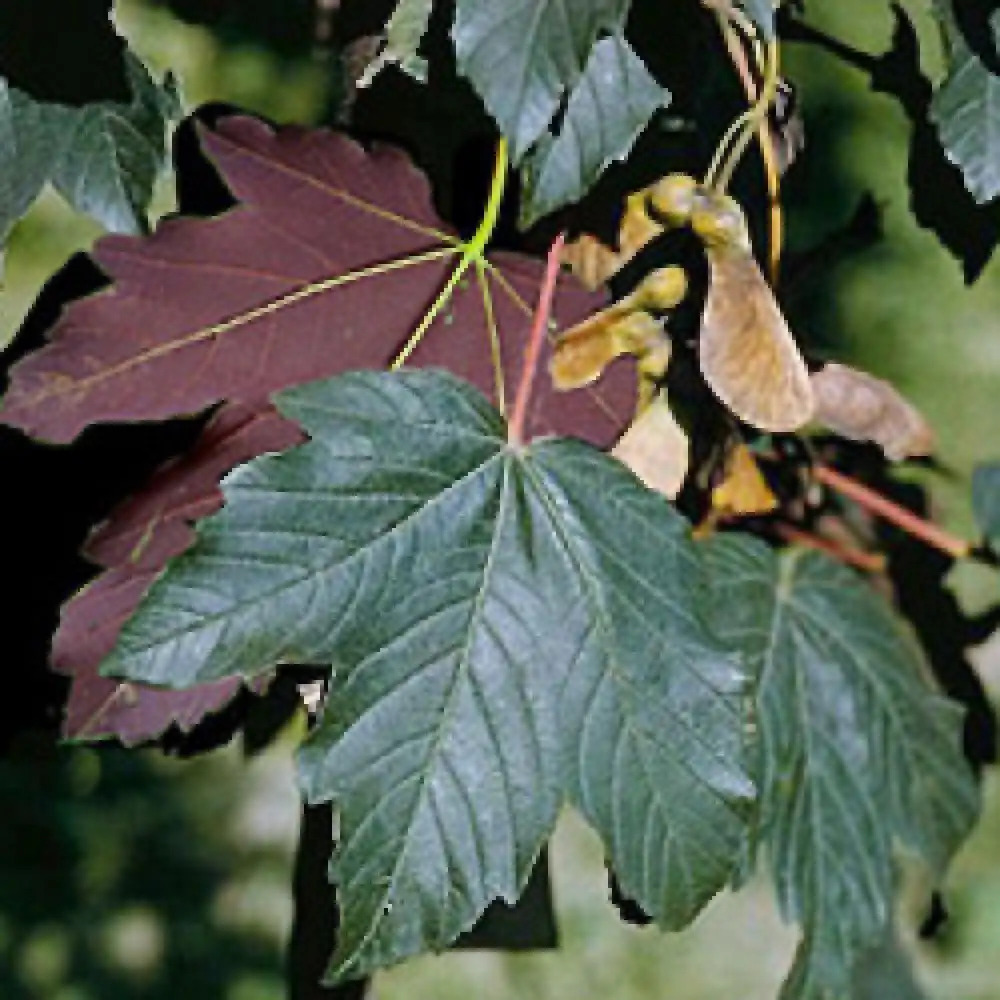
129	874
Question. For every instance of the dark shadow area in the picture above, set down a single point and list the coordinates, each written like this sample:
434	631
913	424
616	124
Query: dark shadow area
314	931
59	494
46	63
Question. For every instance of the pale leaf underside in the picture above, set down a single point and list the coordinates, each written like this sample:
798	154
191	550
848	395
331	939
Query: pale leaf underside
857	749
966	111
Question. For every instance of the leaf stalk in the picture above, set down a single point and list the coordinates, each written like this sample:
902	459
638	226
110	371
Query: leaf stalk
888	510
869	562
533	350
720	170
473	251
772	172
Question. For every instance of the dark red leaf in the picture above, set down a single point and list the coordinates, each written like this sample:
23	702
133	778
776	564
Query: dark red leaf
214	309
100	707
155	524
135	543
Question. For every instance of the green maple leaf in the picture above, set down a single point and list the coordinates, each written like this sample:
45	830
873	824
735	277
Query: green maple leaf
607	109
103	157
857	749
550	50
403	33
986	500
543	46
965	110
885	972
507	626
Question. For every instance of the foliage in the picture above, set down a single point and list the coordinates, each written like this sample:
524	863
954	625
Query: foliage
103	157
273	270
506	613
610	105
503	615
966	111
854	748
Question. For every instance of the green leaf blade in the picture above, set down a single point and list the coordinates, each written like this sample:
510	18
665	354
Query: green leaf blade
761	12
653	709
115	152
404	31
543	46
966	112
391	546
271	546
986	500
886	971
857	749
475	778
454	584
607	109
31	134
103	157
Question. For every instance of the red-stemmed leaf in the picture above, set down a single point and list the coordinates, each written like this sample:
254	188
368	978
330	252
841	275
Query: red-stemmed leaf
235	307
314	205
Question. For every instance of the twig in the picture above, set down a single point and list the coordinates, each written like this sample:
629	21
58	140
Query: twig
533	350
870	562
890	511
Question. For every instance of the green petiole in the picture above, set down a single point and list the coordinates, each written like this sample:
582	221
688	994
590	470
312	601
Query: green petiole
472	251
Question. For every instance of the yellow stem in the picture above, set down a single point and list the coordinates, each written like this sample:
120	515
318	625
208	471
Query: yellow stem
496	357
721	170
720	149
772	172
472	251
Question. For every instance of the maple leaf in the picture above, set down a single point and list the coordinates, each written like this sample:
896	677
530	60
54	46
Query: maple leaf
133	545
141	351
262	297
857	748
986	500
610	105
498	641
544	46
